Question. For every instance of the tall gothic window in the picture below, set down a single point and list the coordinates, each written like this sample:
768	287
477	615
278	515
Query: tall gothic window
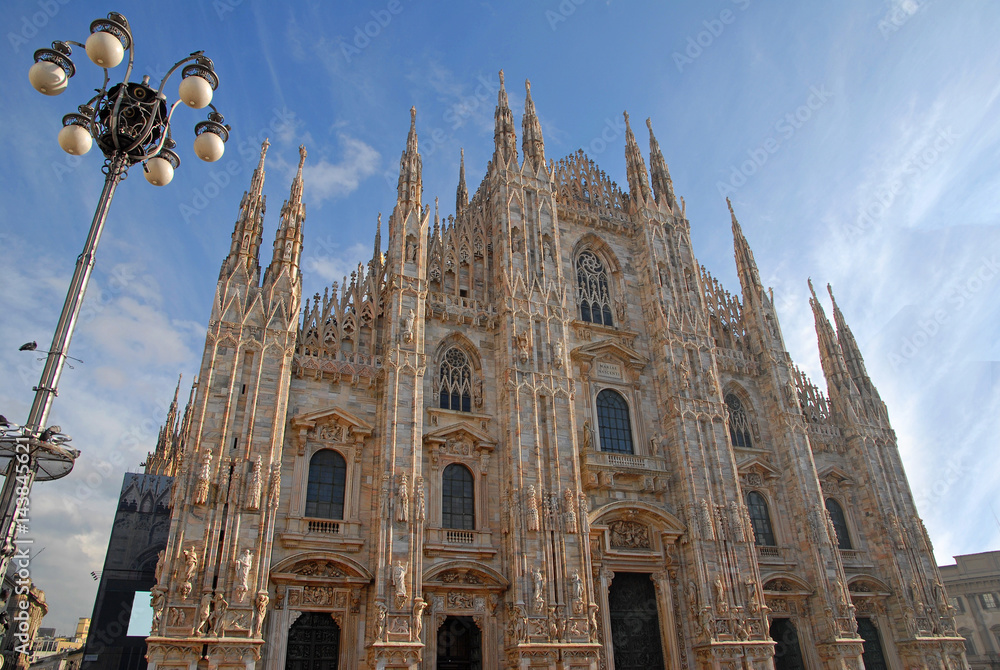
836	513
613	422
760	519
456	381
739	423
592	282
327	478
458	505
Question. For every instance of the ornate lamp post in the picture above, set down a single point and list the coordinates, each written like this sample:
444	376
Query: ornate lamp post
130	123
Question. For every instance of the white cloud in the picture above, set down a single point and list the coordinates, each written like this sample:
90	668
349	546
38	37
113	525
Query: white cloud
324	180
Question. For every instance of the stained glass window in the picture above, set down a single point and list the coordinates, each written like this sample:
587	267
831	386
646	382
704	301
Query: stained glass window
455	384
458	507
592	284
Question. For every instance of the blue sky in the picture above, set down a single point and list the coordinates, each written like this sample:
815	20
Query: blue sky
859	142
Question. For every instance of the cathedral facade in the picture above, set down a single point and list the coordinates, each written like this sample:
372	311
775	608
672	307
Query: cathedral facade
537	434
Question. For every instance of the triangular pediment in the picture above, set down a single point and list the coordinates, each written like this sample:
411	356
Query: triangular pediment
757	465
612	348
462	431
332	415
835	474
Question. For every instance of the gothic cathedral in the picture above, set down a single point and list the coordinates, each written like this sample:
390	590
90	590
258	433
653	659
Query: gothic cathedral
537	434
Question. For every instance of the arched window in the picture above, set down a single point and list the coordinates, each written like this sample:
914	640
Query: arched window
456	381
970	645
739	423
592	284
458	505
760	519
613	422
836	513
325	493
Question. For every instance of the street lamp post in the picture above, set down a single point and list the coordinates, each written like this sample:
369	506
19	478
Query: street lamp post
130	123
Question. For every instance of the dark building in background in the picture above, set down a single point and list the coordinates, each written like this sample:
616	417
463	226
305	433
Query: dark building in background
140	531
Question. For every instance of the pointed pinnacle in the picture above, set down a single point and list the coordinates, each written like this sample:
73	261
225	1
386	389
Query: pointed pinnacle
302	158
811	290
829	289
263	151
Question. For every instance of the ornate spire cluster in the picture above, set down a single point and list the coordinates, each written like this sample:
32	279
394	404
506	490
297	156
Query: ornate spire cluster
504	137
288	239
531	139
410	185
663	187
249	229
462	194
635	166
166	458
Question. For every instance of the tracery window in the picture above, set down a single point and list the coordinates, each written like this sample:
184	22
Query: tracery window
592	284
458	506
327	480
836	513
613	422
760	519
455	383
739	423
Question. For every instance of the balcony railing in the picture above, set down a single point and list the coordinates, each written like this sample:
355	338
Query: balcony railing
324	527
459	537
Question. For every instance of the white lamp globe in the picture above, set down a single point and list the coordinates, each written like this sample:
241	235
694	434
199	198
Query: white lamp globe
195	91
105	49
75	140
209	147
48	78
159	171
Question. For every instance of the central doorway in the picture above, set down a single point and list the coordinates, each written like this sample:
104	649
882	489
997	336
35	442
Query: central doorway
313	643
459	644
787	654
635	622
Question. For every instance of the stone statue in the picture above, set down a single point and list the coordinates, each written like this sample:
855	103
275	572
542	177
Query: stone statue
380	616
418	619
274	486
570	511
403	499
157	599
254	486
161	559
533	523
260	611
218	613
720	595
419	492
407	327
538	590
398	581
204	613
204	476
588	440
190	570
577	584
557	355
243	564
